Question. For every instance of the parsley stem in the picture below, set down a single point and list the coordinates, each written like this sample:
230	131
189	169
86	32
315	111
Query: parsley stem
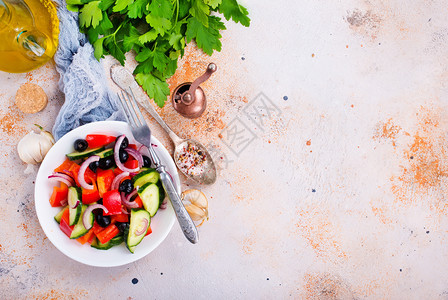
177	13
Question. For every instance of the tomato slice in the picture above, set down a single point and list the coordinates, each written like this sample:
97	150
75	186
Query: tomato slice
99	140
149	231
107	233
59	194
65	228
96	228
104	180
90	196
87	238
74	169
123	218
131	164
138	201
64	167
112	201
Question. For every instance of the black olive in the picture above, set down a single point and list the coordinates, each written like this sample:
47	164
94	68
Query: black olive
81	145
94	165
124	143
146	161
126	186
106	162
123	156
122	226
103	221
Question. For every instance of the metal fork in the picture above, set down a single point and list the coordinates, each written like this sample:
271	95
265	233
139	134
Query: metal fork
142	134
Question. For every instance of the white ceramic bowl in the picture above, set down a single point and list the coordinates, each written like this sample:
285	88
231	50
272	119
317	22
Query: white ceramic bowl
161	223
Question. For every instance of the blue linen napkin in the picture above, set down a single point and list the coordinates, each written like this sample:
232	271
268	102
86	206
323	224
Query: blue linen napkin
82	79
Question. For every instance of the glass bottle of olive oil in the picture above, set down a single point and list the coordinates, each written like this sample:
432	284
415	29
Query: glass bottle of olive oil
26	42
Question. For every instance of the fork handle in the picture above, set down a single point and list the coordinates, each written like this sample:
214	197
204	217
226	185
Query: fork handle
186	224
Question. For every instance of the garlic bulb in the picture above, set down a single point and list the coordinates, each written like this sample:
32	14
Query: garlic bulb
196	205
33	147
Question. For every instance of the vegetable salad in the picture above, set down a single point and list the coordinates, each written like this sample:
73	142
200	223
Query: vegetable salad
108	193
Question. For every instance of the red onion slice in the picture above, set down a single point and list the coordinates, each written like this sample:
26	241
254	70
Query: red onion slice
88	211
117	180
128	203
137	155
75	205
82	170
66	176
131	194
144	228
164	204
61	179
140	148
64	202
172	180
123	210
117	156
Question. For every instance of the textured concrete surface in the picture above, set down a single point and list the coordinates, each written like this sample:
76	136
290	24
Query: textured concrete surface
334	184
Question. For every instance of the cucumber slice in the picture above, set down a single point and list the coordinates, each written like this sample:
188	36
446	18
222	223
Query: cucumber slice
58	216
74	195
138	219
150	195
145	176
79	155
79	230
105	153
117	240
97	245
126	235
161	192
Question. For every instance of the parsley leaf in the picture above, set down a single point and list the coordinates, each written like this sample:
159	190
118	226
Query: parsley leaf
213	3
200	11
137	9
148	37
99	50
131	39
160	61
144	67
143	55
156	88
121	5
90	15
177	40
207	38
114	49
161	25
171	67
161	8
231	9
105	4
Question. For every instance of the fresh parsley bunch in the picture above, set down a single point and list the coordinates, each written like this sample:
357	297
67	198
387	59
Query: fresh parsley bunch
157	30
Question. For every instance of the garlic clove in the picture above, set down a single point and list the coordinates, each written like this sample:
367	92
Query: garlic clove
48	136
196	213
33	147
196	205
25	155
195	197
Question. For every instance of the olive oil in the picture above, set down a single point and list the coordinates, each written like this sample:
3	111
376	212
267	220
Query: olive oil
27	41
